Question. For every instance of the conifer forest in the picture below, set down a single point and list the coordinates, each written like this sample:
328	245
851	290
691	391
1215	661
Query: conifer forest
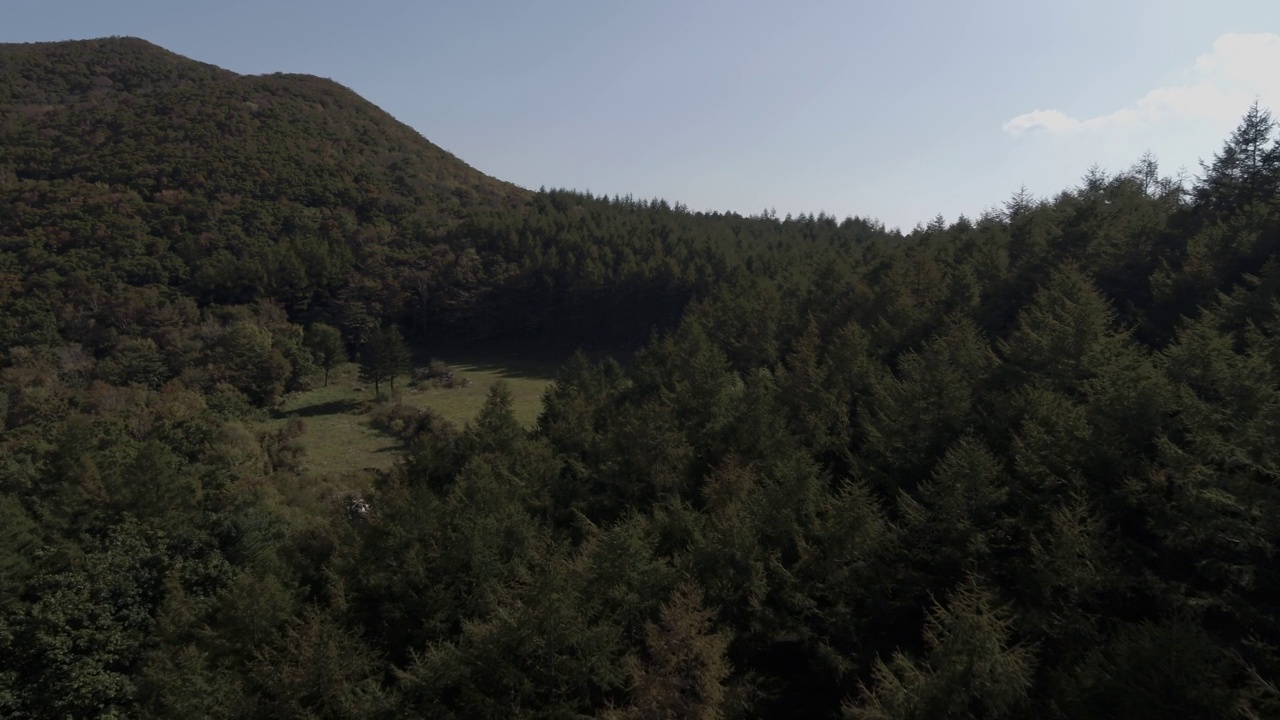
1022	465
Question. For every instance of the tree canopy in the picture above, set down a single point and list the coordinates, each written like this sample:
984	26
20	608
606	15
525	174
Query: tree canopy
1021	465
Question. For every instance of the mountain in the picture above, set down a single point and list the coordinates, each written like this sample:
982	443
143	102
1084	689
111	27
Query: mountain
126	166
130	114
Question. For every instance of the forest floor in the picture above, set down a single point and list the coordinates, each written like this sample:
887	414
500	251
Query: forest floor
338	438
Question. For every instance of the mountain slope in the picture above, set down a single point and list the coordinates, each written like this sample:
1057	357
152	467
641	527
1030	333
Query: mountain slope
128	113
132	173
127	166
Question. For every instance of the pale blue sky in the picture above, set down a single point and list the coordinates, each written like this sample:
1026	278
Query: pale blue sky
892	110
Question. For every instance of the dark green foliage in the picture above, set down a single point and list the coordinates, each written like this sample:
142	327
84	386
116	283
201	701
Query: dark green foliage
972	668
685	668
317	669
185	682
1023	465
19	540
326	346
1153	670
245	356
909	419
958	520
75	649
1247	171
135	362
383	356
496	429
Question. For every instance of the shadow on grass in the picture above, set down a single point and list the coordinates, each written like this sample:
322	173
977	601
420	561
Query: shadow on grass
335	407
508	369
502	362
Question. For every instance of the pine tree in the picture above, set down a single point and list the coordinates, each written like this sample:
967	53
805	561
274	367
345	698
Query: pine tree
318	669
953	518
383	356
912	417
1153	670
1247	170
816	413
1064	333
1020	204
496	428
972	668
684	673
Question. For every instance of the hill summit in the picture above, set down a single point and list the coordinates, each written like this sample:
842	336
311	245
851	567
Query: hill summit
128	113
127	166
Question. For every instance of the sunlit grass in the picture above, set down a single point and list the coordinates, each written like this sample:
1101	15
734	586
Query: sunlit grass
338	438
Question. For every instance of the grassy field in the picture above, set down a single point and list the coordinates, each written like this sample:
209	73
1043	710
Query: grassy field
338	438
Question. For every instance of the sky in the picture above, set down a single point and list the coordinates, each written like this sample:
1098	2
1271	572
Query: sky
895	110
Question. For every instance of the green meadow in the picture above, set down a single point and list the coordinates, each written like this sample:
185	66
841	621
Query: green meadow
338	438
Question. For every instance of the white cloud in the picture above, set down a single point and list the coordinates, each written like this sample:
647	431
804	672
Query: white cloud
1218	87
1054	121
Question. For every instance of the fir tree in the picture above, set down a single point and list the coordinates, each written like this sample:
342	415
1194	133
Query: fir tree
685	669
1247	170
972	667
383	356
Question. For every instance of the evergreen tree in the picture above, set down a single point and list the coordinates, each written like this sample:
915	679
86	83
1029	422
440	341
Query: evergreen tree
187	682
972	669
1153	670
909	419
846	424
1064	334
685	669
318	669
1247	170
496	428
383	356
954	518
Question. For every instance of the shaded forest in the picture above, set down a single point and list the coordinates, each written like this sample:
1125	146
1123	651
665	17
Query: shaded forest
1023	465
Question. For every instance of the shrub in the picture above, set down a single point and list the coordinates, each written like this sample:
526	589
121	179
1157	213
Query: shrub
439	374
406	422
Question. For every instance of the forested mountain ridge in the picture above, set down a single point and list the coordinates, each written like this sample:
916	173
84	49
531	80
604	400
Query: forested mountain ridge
127	169
1017	466
125	112
127	166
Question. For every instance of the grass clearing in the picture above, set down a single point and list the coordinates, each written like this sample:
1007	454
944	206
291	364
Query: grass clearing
338	438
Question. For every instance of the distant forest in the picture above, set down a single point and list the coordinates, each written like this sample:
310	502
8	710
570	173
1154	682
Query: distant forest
1024	465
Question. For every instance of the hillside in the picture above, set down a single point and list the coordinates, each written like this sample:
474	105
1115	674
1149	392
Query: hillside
137	117
131	166
141	173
